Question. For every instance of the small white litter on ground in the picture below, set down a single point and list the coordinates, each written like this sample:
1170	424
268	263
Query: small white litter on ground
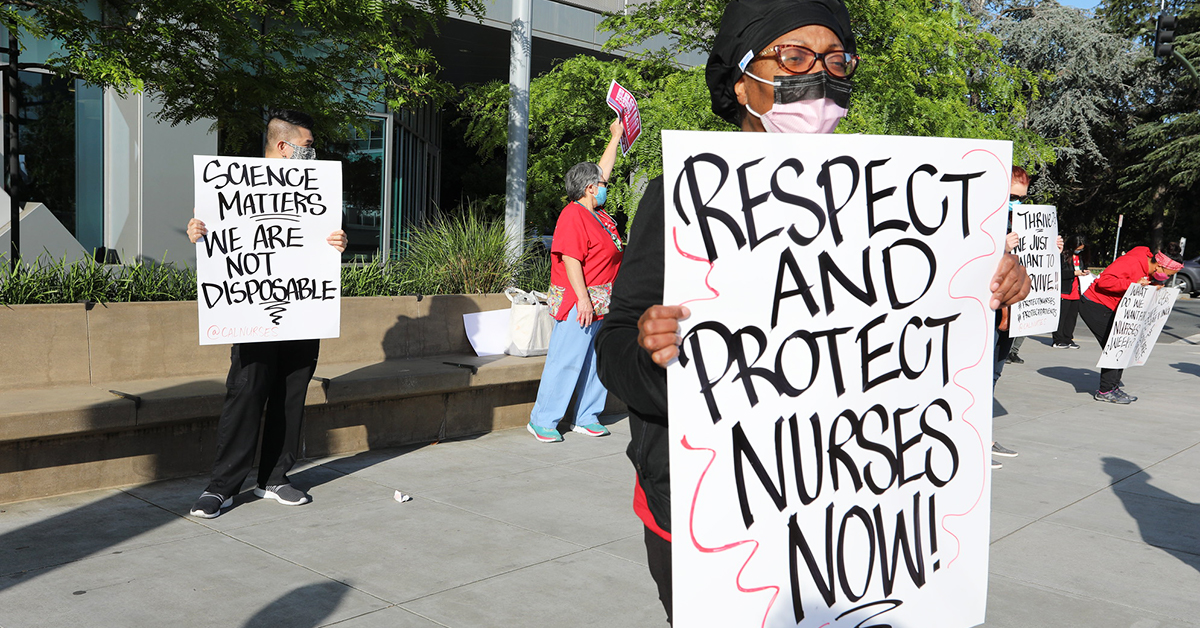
401	497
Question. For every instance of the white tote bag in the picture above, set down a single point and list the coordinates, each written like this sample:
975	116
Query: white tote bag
529	323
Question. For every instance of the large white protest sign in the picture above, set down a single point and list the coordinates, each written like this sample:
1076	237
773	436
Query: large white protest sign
1037	227
264	272
830	412
1139	319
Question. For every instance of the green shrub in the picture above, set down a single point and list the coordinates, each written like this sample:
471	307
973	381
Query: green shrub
536	273
56	281
374	278
462	254
154	281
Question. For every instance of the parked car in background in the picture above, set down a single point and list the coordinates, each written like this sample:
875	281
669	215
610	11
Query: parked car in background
1187	279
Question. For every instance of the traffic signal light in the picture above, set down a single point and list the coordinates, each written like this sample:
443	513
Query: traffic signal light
1164	35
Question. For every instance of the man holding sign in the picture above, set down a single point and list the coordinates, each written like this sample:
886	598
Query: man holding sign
808	49
274	375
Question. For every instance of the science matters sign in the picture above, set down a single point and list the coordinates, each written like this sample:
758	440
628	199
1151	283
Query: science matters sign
264	271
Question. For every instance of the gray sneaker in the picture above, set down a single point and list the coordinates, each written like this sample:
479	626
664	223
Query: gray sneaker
1113	396
996	464
1001	450
285	494
1124	394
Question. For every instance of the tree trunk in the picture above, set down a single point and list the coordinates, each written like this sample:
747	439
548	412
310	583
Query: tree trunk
1156	219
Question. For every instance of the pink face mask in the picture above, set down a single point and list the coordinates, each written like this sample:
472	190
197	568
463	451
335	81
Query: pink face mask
1159	276
806	115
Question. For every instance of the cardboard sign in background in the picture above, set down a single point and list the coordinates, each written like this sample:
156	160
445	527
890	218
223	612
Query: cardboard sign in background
1139	319
1037	226
264	272
830	414
622	101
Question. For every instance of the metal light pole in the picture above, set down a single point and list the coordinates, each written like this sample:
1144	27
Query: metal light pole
12	163
1117	244
518	124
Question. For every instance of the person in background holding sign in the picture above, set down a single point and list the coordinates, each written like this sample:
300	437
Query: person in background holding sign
584	258
1098	307
271	374
777	66
1072	270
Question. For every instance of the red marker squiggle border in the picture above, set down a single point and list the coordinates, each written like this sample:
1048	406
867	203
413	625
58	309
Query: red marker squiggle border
979	496
713	550
695	258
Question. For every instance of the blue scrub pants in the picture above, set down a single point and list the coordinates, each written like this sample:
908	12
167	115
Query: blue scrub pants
570	365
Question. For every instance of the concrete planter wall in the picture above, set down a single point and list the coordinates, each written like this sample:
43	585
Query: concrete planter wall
384	382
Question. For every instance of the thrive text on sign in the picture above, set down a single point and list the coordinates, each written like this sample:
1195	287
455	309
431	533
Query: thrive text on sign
830	411
1037	226
264	271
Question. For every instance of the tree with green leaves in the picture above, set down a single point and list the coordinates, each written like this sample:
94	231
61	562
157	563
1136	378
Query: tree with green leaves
231	59
928	70
1161	180
1088	102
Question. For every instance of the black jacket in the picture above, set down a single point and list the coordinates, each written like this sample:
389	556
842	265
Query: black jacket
625	368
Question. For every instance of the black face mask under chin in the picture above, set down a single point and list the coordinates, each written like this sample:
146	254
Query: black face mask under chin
803	87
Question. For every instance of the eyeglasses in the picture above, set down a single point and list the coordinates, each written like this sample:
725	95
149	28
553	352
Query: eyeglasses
602	184
799	60
1015	197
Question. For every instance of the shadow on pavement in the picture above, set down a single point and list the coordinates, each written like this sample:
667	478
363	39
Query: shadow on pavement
1187	368
1164	520
92	529
1084	380
303	607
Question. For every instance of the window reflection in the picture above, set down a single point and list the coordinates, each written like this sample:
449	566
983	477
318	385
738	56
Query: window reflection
62	152
362	157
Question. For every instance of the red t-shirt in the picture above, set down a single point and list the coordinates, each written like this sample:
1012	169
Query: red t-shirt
588	238
1074	294
642	510
1111	285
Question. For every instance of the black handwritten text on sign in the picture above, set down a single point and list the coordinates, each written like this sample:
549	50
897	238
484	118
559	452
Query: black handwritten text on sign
265	271
1037	228
828	412
1137	323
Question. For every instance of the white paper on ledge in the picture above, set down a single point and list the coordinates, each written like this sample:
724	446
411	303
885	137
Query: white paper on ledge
487	331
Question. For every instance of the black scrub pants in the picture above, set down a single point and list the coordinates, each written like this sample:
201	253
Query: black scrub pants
270	374
1099	319
1067	315
658	558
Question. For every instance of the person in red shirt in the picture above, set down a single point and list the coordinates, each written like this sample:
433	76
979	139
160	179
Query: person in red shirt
1098	307
584	258
1072	270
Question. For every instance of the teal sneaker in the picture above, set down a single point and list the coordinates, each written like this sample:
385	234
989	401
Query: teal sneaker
591	429
544	434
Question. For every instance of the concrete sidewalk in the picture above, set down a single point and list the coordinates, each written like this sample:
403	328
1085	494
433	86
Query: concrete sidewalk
1096	523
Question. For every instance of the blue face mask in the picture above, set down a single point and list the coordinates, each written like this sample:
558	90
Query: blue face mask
601	195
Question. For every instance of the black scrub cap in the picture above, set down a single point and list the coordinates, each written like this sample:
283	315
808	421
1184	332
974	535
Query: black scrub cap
747	26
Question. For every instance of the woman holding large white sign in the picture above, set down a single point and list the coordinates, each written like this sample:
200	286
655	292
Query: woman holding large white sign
777	66
1098	308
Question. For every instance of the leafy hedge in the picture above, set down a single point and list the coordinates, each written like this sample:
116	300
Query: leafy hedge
466	254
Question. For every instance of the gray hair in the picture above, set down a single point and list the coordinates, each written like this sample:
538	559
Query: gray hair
579	177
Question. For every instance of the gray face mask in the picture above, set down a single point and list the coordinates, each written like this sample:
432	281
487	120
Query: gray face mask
302	152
